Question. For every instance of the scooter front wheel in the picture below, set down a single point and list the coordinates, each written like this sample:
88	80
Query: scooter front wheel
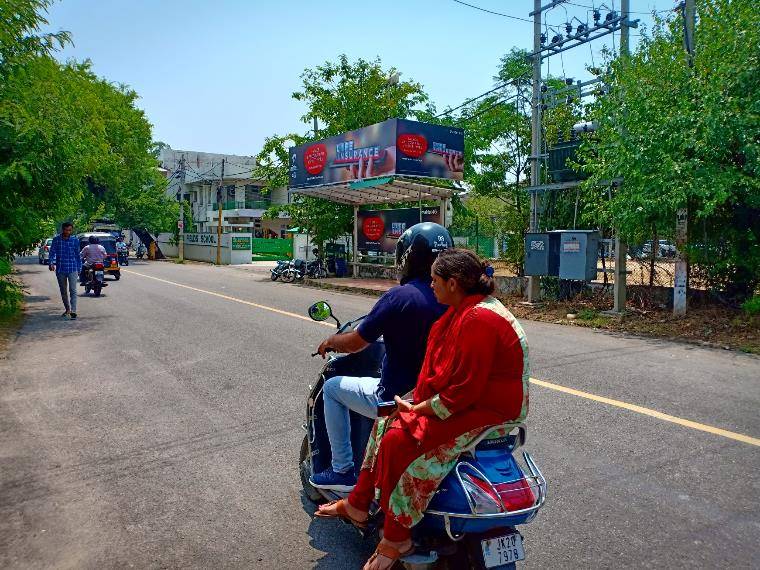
288	276
303	467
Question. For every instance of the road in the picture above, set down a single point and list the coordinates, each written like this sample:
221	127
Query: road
161	430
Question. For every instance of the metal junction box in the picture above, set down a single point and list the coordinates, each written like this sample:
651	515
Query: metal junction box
542	253
578	253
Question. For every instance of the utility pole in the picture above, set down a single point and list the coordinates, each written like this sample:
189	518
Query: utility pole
181	223
219	221
620	291
534	291
681	273
316	129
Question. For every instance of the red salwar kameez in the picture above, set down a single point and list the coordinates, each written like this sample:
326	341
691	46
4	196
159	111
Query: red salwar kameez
475	373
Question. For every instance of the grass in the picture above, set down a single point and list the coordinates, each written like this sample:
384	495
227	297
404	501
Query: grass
716	326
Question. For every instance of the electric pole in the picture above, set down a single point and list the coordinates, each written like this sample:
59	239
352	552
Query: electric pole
681	273
219	221
181	223
620	292
534	291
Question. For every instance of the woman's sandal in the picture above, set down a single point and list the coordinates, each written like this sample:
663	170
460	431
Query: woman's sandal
340	507
390	553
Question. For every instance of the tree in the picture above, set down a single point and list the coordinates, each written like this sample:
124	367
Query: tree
683	136
342	96
70	143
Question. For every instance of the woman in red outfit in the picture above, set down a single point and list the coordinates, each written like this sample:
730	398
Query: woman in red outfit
475	375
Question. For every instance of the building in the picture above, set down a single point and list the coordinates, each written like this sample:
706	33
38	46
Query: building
197	177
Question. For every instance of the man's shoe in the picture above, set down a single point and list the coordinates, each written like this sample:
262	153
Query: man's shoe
332	481
65	314
73	316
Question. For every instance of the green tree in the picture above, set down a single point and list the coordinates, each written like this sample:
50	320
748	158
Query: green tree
687	136
342	96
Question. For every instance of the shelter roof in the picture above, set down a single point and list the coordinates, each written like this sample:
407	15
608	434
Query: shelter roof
382	190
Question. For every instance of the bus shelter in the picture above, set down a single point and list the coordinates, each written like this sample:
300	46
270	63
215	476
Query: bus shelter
381	190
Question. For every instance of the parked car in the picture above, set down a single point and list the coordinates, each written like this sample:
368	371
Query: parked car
664	249
44	252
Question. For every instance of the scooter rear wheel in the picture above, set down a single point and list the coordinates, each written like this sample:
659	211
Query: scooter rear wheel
97	289
303	467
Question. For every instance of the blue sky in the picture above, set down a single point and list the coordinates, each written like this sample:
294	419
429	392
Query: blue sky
217	76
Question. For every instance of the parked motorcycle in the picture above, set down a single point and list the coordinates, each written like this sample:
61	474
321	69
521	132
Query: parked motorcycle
282	265
298	269
94	279
471	521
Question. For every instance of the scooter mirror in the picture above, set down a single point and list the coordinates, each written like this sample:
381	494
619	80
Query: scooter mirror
320	311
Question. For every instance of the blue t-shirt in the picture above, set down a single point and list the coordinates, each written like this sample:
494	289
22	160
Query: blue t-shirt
403	316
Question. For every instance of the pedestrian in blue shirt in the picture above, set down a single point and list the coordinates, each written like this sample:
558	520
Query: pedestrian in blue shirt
65	261
403	317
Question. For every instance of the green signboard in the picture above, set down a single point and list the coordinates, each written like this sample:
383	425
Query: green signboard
241	243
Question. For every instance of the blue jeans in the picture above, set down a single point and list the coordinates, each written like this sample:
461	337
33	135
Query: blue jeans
67	283
341	394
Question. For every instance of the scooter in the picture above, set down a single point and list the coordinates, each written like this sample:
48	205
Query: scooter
471	521
94	279
140	251
282	265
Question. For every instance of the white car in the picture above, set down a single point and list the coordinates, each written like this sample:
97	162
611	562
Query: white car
44	252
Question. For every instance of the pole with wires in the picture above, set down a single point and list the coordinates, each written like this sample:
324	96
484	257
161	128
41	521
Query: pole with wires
681	272
181	222
620	292
219	221
534	292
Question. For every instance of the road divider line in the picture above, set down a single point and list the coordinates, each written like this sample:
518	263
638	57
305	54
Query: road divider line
551	386
648	412
234	299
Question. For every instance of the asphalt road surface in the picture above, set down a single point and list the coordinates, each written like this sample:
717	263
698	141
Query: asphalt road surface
162	428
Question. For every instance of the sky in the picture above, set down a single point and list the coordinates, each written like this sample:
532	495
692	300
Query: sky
218	76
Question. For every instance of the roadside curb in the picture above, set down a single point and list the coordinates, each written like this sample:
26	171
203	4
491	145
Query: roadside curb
316	284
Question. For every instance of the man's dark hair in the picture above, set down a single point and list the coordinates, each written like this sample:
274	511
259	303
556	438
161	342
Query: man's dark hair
66	225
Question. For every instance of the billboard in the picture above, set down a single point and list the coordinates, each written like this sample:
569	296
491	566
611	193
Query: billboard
379	230
395	146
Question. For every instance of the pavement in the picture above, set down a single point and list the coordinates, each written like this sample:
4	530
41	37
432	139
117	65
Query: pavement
162	428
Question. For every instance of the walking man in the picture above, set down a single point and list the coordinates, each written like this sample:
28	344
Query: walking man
65	261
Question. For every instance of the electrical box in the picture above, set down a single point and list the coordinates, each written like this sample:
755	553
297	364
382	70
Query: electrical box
578	253
542	253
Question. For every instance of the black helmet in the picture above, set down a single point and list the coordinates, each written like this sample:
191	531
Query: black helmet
418	247
92	239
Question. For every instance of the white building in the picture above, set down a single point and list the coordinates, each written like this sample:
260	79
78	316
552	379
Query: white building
198	176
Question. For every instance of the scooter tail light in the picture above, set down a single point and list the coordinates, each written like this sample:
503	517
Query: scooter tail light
98	266
516	495
482	496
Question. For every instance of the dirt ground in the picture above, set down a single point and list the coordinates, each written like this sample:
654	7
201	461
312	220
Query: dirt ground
713	326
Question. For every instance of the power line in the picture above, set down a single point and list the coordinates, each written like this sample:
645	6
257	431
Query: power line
630	11
489	108
500	86
492	12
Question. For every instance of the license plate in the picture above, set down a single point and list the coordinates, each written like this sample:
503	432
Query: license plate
502	550
99	274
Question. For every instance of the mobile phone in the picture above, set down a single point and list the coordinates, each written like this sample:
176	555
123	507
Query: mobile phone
385	409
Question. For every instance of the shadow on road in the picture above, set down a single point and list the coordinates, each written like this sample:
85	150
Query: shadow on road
342	544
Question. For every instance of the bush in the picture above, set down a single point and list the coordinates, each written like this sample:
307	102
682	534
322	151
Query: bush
752	306
587	314
10	292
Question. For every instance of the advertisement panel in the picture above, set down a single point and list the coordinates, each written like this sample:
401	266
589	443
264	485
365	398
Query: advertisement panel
379	230
395	146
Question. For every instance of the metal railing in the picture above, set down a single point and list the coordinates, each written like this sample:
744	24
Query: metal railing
248	204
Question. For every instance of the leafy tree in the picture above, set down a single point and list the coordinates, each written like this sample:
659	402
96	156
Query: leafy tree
687	136
70	143
343	96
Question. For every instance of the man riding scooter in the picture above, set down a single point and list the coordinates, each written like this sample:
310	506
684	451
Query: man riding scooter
403	317
92	253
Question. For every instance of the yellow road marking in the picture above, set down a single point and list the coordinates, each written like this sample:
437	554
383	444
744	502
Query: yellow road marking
649	412
551	386
235	299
